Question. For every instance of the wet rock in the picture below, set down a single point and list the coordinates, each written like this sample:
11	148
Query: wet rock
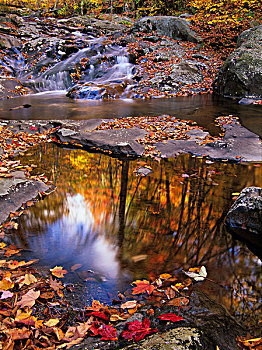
244	218
15	191
10	87
206	325
170	26
241	74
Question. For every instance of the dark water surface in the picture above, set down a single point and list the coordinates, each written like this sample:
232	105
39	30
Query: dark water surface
121	227
202	109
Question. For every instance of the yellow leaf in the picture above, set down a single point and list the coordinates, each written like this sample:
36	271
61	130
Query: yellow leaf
52	322
2	245
25	317
27	279
58	271
165	276
6	282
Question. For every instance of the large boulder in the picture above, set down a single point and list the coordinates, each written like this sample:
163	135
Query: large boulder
241	74
244	218
170	26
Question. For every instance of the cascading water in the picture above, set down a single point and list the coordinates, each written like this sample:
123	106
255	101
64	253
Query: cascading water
92	69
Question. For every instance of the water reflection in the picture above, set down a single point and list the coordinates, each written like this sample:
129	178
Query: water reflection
202	109
125	227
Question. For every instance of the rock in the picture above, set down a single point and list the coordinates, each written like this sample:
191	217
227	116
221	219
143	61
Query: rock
170	26
186	72
8	41
17	190
244	218
207	325
241	74
10	87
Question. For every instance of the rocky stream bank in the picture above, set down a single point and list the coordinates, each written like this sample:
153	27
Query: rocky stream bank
99	59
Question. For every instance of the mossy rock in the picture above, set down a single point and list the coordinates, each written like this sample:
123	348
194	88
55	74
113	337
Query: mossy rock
241	74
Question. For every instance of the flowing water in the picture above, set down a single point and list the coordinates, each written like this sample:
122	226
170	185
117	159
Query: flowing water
121	227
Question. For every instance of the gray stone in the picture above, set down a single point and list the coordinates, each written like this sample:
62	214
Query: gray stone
244	218
170	26
16	191
241	74
186	72
181	338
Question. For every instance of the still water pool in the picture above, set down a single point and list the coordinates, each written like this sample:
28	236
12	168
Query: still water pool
118	227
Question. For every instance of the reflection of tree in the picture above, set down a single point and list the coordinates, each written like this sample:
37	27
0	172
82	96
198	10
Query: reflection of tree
174	217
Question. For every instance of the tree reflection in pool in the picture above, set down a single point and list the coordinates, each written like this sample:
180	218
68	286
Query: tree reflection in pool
122	227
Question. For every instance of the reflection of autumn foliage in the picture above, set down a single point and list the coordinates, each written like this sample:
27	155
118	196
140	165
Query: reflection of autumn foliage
172	219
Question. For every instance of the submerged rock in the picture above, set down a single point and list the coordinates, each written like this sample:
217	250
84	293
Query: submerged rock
170	26
244	218
241	74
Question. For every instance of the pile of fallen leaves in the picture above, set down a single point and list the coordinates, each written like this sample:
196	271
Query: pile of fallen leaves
149	65
16	143
35	314
13	144
164	128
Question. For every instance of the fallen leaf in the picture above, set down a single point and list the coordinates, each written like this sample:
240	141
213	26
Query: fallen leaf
138	330
52	322
18	334
129	304
170	317
143	287
6	294
29	298
26	280
178	301
55	285
6	282
76	267
25	317
108	332
199	275
58	271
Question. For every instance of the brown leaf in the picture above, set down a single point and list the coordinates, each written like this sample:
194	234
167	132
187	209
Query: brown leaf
178	301
29	298
76	267
55	285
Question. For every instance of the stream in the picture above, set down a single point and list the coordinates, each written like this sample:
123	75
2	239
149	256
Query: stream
104	224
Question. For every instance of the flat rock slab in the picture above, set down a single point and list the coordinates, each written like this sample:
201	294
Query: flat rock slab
15	191
238	143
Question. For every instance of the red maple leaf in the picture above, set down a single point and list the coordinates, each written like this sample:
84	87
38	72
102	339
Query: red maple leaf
138	330
170	317
98	314
108	333
143	287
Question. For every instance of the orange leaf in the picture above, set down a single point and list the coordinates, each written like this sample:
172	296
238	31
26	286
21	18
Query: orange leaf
25	318
58	271
143	287
15	264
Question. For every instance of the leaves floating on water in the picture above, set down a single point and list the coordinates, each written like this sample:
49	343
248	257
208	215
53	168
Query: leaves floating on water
58	271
